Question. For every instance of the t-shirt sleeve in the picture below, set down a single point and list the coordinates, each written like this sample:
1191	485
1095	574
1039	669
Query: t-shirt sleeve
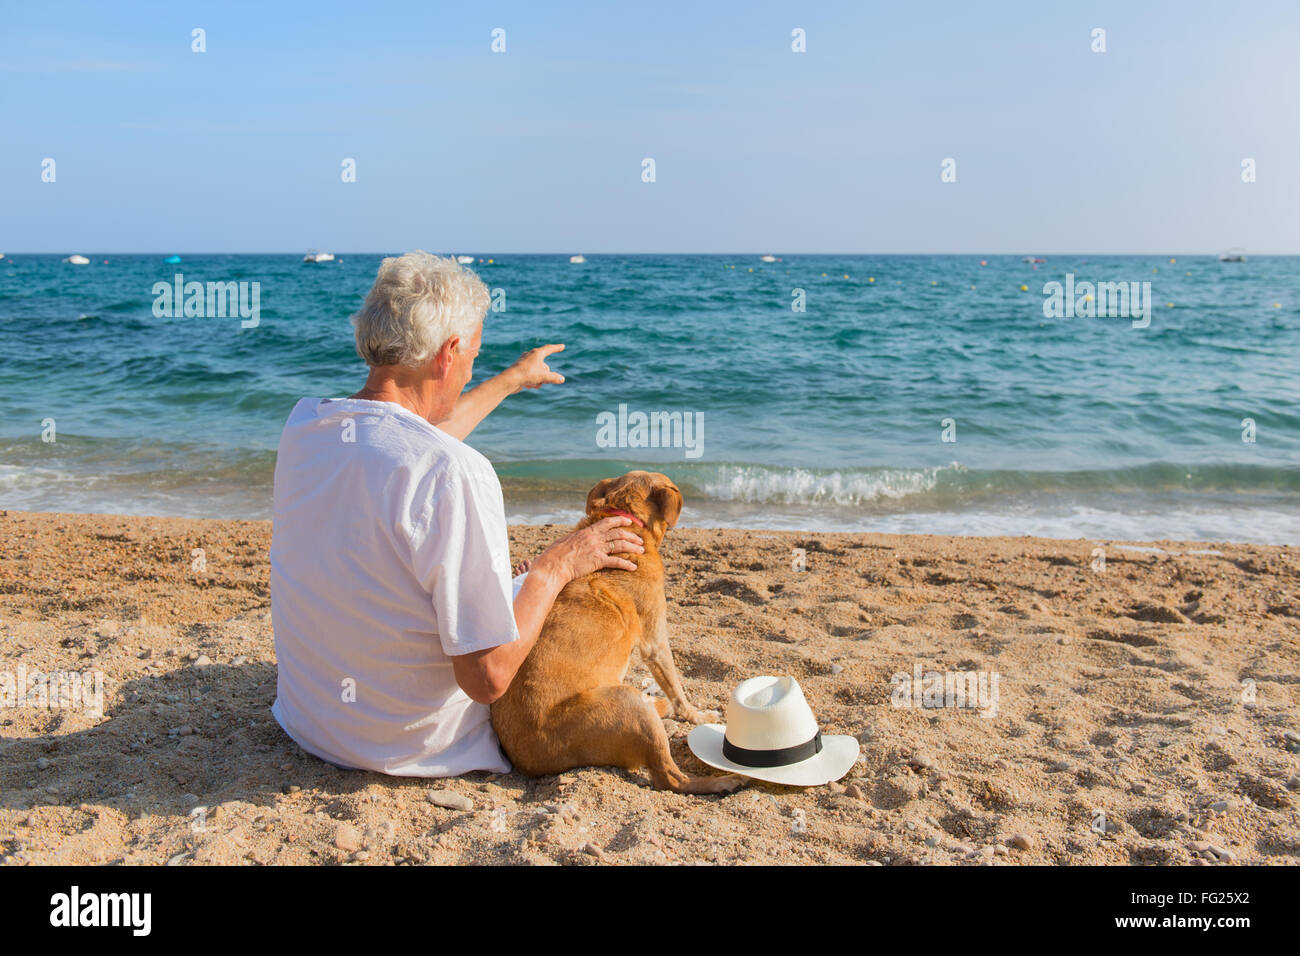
462	560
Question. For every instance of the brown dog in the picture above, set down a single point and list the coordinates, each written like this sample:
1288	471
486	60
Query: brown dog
568	706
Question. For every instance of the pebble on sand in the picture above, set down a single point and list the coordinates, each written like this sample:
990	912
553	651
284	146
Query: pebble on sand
450	800
346	838
1022	841
1212	851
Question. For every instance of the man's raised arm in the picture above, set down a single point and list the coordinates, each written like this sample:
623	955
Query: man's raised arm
531	371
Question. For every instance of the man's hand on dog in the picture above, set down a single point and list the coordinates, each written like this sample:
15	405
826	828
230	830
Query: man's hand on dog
590	549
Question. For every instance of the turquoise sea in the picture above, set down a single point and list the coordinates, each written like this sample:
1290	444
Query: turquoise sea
832	418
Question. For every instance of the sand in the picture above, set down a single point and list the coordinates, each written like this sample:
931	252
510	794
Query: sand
1142	714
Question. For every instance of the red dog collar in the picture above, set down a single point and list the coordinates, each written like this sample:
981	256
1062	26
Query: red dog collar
619	513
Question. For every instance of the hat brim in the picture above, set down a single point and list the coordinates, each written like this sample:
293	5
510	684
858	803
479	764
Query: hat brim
836	758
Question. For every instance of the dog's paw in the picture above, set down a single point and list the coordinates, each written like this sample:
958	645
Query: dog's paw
704	716
730	783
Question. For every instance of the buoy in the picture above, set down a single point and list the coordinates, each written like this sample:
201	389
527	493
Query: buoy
1024	288
871	278
846	275
1172	261
490	262
1277	305
984	262
932	282
823	275
1169	305
751	270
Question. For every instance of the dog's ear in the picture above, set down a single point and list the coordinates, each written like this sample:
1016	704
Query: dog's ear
668	501
596	497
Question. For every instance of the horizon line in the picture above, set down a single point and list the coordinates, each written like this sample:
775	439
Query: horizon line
10	255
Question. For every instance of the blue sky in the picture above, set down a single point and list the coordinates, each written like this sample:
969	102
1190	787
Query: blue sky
757	148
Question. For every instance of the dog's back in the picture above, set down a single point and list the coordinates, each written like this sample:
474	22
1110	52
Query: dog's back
585	643
567	706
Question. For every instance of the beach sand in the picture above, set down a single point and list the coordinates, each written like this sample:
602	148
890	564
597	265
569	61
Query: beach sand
1143	710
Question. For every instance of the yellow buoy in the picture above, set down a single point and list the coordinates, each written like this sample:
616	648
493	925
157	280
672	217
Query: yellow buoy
1172	261
1024	288
932	282
846	275
1277	305
871	278
1169	304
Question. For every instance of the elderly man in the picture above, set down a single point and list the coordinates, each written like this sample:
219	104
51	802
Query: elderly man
396	620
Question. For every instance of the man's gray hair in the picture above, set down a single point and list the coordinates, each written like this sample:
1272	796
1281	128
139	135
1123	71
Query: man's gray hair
417	303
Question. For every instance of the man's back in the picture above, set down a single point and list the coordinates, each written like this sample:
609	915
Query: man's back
388	554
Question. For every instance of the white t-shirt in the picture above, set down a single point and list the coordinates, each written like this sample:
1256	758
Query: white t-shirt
388	555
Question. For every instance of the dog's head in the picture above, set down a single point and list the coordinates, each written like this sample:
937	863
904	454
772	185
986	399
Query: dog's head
648	495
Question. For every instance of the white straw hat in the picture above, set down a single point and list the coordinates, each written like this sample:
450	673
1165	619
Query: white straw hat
771	734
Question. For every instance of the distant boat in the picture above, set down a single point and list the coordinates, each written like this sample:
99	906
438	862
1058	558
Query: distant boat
1236	254
77	260
314	256
464	260
767	258
577	260
1032	259
172	260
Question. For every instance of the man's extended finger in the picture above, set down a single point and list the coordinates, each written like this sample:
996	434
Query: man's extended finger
546	350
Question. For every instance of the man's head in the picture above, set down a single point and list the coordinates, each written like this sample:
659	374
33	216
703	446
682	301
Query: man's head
423	309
